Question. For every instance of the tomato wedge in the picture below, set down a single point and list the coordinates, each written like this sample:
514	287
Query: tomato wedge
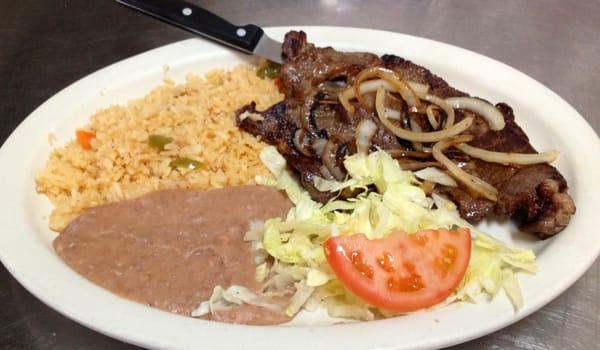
84	138
401	273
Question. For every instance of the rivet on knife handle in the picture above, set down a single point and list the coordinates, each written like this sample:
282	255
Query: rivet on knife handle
200	21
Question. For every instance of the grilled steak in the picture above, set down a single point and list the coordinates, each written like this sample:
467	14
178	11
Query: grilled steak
314	132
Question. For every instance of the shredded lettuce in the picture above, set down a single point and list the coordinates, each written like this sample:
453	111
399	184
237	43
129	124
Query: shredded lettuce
398	203
303	292
262	272
223	299
316	277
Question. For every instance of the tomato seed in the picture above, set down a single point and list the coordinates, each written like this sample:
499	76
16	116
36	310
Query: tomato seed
420	239
405	284
359	263
386	261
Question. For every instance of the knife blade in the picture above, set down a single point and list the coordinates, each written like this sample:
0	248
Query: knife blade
250	38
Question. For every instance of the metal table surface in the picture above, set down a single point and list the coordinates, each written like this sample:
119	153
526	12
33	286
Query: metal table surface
46	45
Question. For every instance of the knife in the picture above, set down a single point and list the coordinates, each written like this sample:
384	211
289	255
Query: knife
250	39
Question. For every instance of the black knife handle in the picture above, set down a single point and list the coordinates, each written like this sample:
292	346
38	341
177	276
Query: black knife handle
200	21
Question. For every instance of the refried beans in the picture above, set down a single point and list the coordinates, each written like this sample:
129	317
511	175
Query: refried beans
169	249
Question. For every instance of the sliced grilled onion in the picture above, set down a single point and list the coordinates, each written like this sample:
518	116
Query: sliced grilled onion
508	158
417	136
414	126
435	175
318	146
432	117
444	106
345	97
487	111
364	133
472	182
418	88
372	86
326	173
301	143
329	160
391	77
393	114
307	117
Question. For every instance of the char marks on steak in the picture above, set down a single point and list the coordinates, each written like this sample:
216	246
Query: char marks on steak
314	133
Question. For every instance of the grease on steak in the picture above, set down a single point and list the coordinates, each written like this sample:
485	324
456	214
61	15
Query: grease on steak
535	193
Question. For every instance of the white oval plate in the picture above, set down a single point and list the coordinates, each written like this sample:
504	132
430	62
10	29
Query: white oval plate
25	242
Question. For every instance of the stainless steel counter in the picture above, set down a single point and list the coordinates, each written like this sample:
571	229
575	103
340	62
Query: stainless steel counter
46	45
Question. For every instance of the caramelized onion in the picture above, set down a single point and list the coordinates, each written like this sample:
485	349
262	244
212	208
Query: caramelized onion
364	133
418	88
330	161
487	111
417	136
432	117
444	106
318	146
391	77
299	140
393	114
507	157
344	98
372	86
326	173
472	182
414	126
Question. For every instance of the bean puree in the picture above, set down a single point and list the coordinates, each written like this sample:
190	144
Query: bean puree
169	249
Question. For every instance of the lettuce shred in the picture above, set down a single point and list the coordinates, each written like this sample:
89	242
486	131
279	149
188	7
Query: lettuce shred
397	203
